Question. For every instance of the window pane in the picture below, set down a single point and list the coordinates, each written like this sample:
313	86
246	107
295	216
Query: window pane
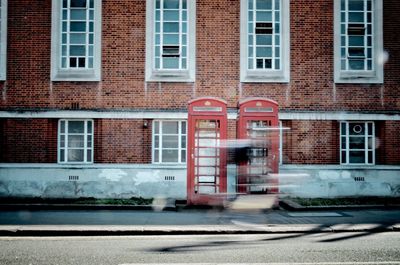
157	141
78	38
263	52
356	5
370	157
170	142
171	62
78	3
89	156
62	155
183	127
356	129
171	15
357	157
344	161
171	39
171	27
77	50
356	64
78	26
75	141
171	4
264	4
183	156
89	126
263	16
78	14
62	126
75	127
356	40
343	142
156	155
170	156
357	142
75	155
62	141
170	127
183	141
263	39
356	17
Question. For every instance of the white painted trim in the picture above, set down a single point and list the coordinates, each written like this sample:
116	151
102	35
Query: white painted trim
58	74
188	75
360	77
181	115
265	76
3	41
183	166
337	167
79	166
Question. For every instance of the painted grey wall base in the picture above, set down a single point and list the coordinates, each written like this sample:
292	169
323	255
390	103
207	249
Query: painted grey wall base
151	181
330	181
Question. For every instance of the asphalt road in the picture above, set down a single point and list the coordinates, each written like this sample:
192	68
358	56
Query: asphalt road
324	248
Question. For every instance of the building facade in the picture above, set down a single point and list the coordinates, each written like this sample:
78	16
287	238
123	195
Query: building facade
94	93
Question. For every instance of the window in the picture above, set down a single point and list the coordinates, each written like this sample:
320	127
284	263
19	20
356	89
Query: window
76	40
3	39
357	141
170	40
75	141
264	49
358	41
169	141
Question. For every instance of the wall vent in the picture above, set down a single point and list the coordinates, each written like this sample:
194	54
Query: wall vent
169	177
359	179
75	105
73	177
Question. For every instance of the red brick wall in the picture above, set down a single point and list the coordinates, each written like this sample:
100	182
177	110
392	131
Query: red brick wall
122	141
217	48
28	141
311	142
129	141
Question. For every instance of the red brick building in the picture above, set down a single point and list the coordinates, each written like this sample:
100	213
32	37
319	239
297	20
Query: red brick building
94	93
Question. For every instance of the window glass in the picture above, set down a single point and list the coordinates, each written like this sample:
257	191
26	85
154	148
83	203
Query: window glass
169	142
75	141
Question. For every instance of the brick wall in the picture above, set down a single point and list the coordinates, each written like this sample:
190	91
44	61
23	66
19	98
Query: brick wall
129	141
28	141
311	87
311	142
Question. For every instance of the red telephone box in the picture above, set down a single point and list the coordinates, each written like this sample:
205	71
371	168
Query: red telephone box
206	175
258	126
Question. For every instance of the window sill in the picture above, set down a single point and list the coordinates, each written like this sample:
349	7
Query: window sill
361	77
170	76
265	77
76	75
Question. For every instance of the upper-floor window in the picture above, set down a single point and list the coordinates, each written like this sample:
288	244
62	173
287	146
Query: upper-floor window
265	41
75	141
3	39
170	52
358	38
76	40
169	141
357	143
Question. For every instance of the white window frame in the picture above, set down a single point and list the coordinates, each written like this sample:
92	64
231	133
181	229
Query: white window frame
161	150
170	75
74	74
66	148
3	41
378	56
266	75
368	138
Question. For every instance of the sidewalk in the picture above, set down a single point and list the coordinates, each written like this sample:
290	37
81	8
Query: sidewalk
44	221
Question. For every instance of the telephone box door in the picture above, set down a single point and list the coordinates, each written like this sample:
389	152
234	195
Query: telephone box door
207	160
258	124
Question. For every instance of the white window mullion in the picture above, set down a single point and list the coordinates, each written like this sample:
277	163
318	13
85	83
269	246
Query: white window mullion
347	143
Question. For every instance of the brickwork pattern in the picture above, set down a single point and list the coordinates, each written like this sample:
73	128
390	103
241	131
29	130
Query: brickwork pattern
311	87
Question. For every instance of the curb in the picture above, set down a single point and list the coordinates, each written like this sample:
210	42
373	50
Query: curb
41	207
290	205
56	231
